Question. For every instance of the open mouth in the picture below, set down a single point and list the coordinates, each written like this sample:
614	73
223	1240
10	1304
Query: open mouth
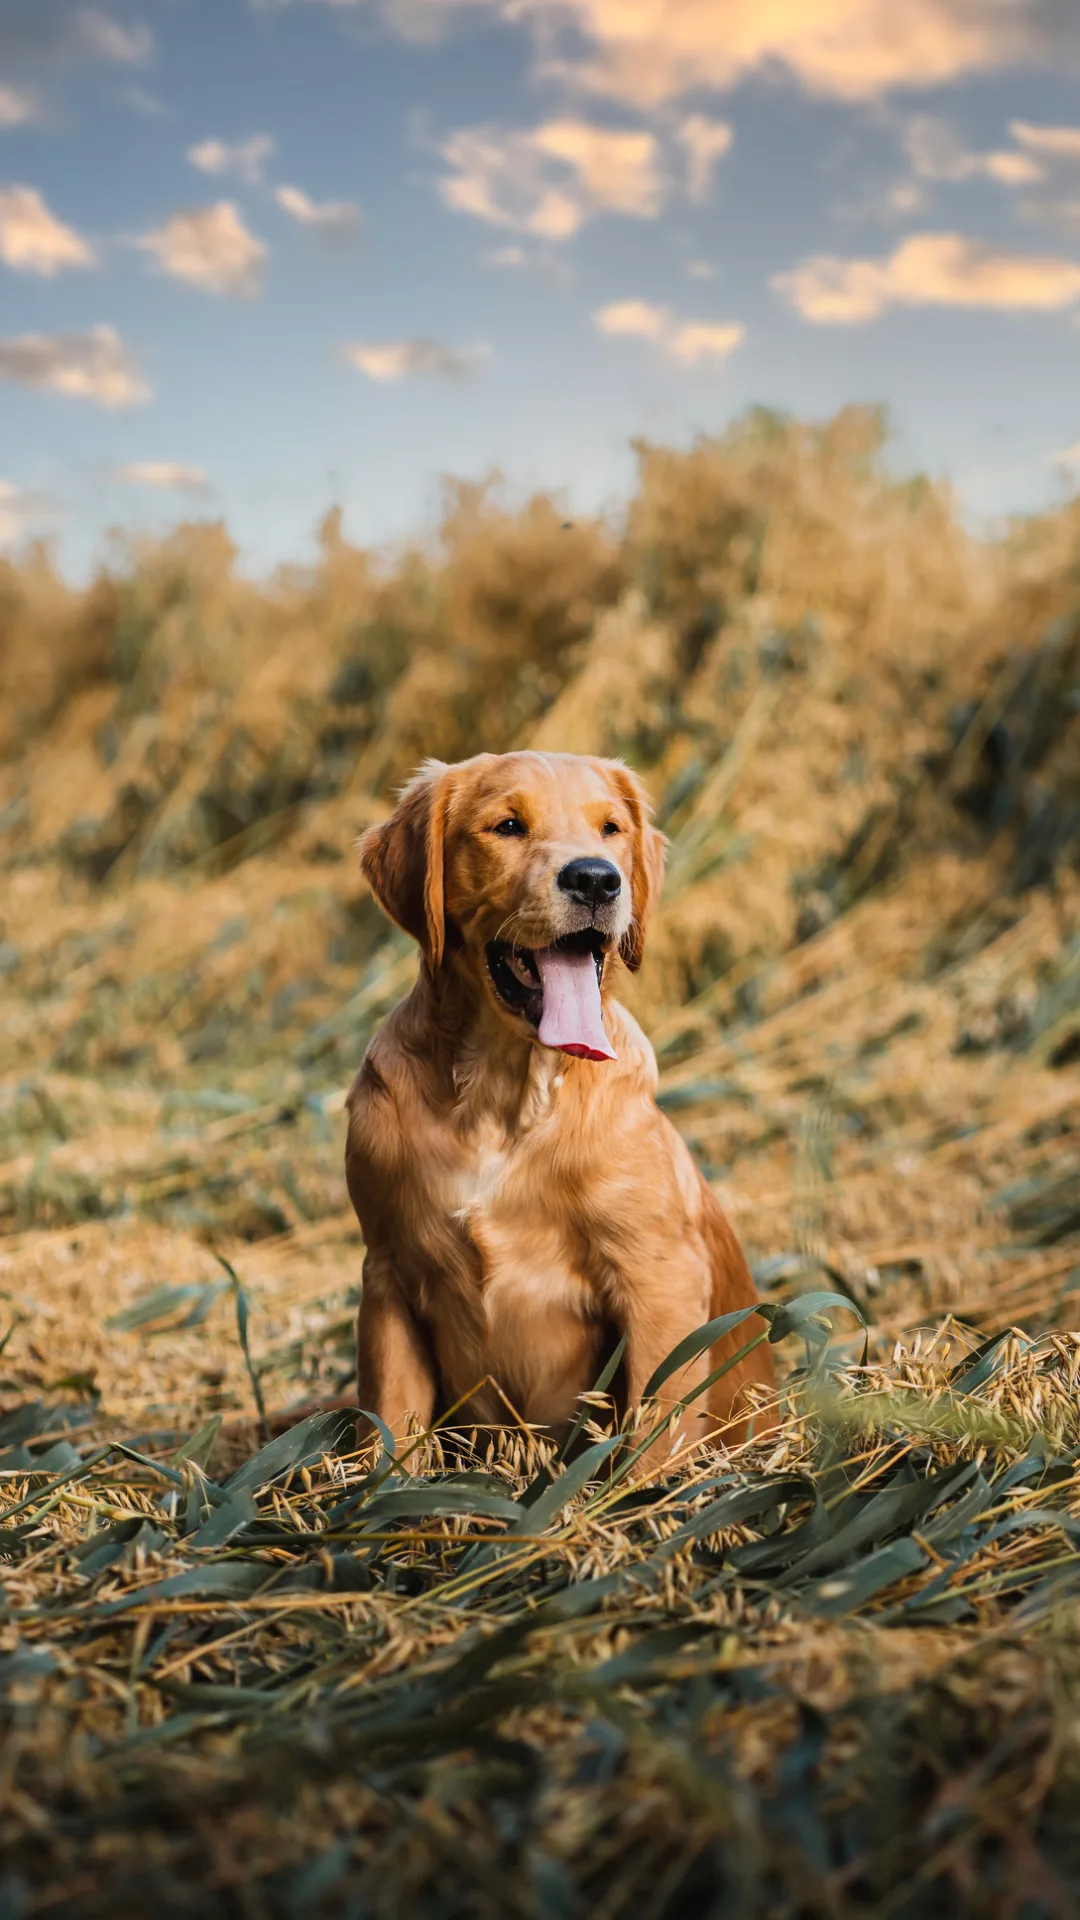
557	990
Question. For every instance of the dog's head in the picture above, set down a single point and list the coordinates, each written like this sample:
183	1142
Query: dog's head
530	869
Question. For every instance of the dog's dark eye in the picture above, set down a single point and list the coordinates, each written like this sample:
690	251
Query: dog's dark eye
609	826
509	827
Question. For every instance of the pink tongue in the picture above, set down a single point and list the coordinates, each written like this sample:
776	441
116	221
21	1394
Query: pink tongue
572	1018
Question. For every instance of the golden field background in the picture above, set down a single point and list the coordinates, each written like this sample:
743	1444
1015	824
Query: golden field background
861	961
861	729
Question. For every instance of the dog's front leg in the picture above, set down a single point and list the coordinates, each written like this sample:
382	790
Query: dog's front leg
654	1330
393	1368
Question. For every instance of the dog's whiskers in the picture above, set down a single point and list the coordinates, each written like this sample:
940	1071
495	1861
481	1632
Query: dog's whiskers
512	921
513	926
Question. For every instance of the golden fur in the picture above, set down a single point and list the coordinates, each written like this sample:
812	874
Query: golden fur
521	1208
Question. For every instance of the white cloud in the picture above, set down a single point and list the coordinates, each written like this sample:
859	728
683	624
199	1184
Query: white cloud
245	161
331	219
930	269
618	171
19	510
550	181
704	340
700	270
498	178
706	142
209	247
147	104
1059	143
33	240
639	319
397	359
424	22
540	260
690	341
18	107
1008	169
936	153
103	38
167	475
904	198
647	51
1055	152
95	365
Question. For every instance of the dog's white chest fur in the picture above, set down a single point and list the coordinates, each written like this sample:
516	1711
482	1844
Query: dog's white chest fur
479	1184
536	1305
495	1146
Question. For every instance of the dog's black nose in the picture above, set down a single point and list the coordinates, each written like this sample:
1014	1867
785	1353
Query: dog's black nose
593	883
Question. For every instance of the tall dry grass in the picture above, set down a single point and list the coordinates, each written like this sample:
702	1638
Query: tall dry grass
776	635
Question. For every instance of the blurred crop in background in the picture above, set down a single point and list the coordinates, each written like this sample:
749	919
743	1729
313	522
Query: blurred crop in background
861	729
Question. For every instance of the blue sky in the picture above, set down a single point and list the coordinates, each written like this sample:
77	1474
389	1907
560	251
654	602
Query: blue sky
260	255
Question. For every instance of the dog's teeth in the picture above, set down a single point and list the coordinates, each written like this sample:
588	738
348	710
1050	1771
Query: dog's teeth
521	970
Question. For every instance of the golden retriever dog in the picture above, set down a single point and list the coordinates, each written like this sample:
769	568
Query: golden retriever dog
523	1200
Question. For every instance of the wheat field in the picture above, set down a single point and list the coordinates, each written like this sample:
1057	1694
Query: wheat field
838	1675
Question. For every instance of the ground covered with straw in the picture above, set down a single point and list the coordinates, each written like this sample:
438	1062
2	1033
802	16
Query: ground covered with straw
245	1670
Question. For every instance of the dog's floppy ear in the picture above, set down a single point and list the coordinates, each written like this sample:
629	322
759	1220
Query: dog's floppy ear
402	860
649	848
